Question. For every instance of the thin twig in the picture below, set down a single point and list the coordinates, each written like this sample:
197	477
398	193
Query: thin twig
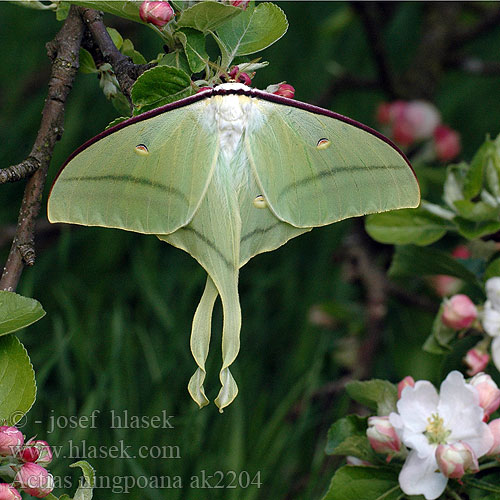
63	51
125	70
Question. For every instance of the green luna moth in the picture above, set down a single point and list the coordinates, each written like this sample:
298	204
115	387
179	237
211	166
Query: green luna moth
226	174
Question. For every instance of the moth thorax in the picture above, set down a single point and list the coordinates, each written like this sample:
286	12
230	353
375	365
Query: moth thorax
230	114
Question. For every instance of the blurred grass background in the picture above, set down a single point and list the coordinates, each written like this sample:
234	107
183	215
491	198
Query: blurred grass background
119	305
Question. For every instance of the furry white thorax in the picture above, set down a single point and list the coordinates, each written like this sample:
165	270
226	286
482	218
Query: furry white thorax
230	116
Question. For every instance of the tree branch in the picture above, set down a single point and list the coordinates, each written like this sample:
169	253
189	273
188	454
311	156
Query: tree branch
125	70
63	51
490	19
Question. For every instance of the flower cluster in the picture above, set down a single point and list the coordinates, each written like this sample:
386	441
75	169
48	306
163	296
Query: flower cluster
442	434
411	122
24	464
459	312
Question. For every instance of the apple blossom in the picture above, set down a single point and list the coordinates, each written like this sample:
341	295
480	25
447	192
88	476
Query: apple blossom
494	426
477	360
493	292
8	492
382	435
158	13
426	419
34	480
406	382
459	312
455	460
489	393
10	439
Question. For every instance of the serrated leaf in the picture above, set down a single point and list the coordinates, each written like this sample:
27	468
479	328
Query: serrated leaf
352	425
478	211
472	230
85	490
116	37
409	261
193	42
18	312
129	50
128	9
376	394
158	86
366	483
17	380
253	30
176	59
207	16
402	227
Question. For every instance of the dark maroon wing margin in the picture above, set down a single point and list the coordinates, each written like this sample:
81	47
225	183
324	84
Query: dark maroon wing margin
260	94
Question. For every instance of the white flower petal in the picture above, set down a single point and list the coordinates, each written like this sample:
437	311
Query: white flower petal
493	292
417	404
491	319
455	398
419	477
495	352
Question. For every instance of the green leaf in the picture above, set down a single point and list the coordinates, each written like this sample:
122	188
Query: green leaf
87	64
472	230
441	336
401	227
129	50
207	16
17	380
62	10
352	425
85	490
128	9
366	483
116	37
476	211
193	42
18	312
473	181
158	86
377	394
253	30
493	269
409	261
176	59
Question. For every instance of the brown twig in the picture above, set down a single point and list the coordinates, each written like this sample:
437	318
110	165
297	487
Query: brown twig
63	51
125	70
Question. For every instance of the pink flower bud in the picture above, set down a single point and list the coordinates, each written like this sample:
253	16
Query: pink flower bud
8	492
243	4
406	382
10	440
234	74
459	312
494	427
201	89
461	252
158	13
454	460
445	285
477	360
489	394
285	90
383	115
446	143
382	435
44	452
34	480
28	453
